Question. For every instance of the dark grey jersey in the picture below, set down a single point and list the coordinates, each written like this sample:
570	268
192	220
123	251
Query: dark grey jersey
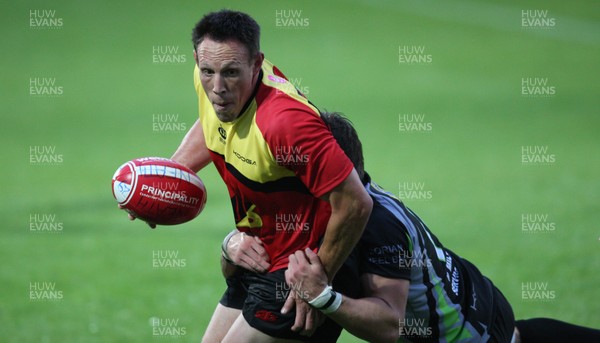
449	300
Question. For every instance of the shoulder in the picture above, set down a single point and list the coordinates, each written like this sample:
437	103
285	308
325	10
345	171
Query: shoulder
383	241
280	105
384	226
288	117
282	114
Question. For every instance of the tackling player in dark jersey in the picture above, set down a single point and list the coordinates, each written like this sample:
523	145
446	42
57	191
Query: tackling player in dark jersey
407	274
413	287
430	291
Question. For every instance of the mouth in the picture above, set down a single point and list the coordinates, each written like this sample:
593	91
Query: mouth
221	106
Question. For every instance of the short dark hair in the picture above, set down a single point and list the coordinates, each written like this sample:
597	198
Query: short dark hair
344	133
225	25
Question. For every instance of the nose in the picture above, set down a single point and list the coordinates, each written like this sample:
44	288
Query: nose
218	84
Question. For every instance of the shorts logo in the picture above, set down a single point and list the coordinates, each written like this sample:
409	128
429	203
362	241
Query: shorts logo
266	316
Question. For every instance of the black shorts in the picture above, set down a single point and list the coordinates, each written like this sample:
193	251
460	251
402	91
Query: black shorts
236	291
267	294
261	297
503	325
488	309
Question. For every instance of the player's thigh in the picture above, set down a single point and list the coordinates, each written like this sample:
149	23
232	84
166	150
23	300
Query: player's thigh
220	323
241	332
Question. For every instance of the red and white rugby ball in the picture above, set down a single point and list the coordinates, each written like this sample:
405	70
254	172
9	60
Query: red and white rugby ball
159	190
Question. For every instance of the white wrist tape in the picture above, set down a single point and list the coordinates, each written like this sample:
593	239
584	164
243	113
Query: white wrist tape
328	301
337	302
322	298
224	246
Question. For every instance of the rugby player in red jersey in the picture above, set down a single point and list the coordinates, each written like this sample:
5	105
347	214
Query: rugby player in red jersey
289	182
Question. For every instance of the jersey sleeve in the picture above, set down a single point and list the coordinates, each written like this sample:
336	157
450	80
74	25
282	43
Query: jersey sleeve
300	141
384	248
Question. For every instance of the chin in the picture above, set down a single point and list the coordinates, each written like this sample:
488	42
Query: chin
225	117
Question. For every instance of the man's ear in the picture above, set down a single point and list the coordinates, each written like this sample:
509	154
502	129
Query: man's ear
258	61
196	57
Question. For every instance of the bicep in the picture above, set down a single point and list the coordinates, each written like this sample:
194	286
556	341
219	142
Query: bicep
349	190
192	152
394	292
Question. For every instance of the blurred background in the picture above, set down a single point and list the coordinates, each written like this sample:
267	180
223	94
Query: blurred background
483	118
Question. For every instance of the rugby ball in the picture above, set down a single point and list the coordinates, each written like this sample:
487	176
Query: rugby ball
159	190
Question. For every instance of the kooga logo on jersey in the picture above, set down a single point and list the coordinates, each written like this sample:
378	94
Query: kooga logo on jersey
244	159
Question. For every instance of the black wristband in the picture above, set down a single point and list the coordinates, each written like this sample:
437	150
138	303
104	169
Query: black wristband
329	302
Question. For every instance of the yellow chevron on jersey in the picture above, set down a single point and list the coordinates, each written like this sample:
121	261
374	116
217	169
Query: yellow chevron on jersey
251	220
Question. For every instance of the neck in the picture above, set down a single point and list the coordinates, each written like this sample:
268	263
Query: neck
256	85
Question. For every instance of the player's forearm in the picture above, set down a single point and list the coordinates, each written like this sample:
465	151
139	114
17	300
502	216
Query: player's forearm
348	219
192	152
343	232
228	269
370	319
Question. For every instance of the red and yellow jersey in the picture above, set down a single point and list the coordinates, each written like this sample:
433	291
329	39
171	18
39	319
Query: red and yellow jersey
277	158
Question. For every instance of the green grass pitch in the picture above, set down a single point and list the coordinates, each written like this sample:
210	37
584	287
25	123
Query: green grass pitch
490	135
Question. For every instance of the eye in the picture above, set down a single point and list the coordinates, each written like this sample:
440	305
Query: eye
207	72
231	72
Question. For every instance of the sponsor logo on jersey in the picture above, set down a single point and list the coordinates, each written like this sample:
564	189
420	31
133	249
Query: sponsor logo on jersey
244	159
222	133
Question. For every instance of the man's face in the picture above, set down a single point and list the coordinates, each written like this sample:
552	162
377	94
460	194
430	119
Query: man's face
227	74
